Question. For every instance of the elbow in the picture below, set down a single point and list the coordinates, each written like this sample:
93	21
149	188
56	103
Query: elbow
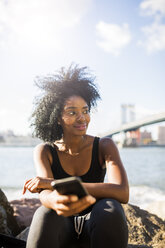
125	195
125	200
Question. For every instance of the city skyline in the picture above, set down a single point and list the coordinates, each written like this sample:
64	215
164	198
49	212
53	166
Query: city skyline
123	44
128	119
132	138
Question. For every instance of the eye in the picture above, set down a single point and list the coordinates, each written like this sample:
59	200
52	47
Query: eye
71	112
86	111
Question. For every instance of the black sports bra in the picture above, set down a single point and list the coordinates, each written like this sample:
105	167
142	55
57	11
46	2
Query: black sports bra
95	173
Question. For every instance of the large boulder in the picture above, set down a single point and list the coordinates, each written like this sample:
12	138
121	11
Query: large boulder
24	210
8	223
145	229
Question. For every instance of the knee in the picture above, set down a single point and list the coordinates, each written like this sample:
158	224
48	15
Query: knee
43	229
114	208
108	211
44	215
108	224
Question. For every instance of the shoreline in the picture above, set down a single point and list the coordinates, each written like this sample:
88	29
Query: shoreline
154	207
153	202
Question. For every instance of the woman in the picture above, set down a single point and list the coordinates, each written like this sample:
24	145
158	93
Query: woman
61	119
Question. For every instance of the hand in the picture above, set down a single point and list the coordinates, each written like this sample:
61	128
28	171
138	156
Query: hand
68	205
34	185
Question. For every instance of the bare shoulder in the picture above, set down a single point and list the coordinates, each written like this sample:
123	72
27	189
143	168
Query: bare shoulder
108	147
109	151
43	160
107	142
42	149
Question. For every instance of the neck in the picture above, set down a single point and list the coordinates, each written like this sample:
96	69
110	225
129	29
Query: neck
72	145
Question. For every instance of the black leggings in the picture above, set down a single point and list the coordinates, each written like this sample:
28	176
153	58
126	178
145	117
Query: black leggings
105	227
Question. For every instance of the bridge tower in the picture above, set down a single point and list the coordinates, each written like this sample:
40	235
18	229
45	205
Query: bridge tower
127	113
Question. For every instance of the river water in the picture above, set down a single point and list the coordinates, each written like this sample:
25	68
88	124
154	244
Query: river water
145	168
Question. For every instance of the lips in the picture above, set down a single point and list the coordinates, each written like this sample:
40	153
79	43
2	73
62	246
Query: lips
81	126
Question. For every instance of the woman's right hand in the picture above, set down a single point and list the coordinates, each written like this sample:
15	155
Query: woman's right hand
34	185
67	205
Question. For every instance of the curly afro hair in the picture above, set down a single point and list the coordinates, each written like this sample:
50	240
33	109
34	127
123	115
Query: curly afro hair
55	90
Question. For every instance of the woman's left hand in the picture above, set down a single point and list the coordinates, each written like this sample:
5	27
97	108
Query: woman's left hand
34	185
67	205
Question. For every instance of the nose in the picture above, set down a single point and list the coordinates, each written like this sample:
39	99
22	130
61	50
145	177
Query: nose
81	117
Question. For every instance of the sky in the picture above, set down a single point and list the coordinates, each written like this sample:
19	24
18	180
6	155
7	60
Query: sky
122	43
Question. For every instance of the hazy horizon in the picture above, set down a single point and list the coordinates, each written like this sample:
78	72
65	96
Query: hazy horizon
122	42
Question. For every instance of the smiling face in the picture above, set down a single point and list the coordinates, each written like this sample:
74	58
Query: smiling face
75	116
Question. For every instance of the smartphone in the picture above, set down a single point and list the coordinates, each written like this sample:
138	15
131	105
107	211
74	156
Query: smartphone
70	186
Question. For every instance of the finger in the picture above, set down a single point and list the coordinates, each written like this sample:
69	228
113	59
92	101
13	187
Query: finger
62	207
34	184
30	185
24	190
68	212
27	181
66	199
87	200
25	184
82	204
76	207
33	181
36	180
63	213
73	198
90	199
34	188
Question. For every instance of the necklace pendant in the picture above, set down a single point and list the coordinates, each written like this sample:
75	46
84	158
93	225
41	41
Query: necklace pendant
72	154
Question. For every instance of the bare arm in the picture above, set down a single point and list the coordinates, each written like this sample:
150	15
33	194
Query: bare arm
117	186
65	205
42	161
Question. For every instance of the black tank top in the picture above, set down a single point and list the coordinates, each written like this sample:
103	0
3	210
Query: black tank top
95	173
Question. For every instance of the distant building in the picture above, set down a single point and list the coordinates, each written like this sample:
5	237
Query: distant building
132	138
161	135
145	137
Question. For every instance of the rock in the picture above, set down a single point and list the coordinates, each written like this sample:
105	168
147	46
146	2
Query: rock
140	246
145	229
24	210
8	223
